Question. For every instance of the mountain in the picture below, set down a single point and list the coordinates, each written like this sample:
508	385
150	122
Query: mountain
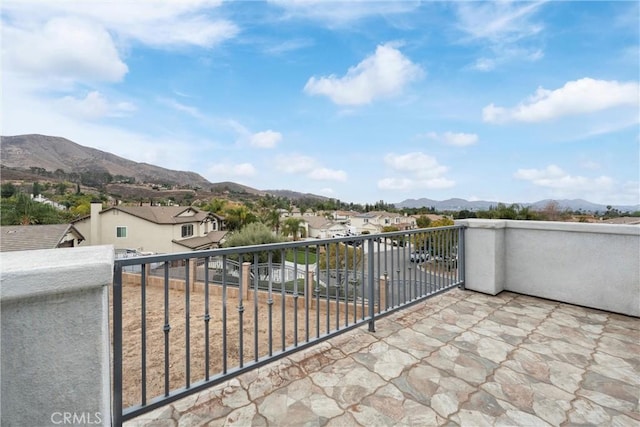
294	195
459	204
51	153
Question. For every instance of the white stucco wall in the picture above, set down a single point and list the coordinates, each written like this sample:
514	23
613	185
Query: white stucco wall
54	340
593	265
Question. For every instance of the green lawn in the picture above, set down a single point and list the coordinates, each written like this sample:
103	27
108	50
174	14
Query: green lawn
300	255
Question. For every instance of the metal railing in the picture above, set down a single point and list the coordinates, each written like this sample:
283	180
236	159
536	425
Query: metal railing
211	315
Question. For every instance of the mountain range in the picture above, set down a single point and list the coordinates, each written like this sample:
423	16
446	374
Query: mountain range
22	153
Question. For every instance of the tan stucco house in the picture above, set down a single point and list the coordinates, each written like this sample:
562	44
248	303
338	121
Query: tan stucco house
29	237
157	229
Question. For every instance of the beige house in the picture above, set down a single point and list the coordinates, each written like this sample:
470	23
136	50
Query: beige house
156	229
320	227
375	221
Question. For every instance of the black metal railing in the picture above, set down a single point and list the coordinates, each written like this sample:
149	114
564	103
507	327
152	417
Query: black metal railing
184	322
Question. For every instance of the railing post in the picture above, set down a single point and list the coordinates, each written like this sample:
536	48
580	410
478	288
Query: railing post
246	266
117	344
461	257
370	282
383	293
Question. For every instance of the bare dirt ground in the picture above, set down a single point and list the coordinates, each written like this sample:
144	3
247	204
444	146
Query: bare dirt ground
155	337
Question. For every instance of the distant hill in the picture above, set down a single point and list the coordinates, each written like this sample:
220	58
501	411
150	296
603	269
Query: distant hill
294	195
460	204
52	153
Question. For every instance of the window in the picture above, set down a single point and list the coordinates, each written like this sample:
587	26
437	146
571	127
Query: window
187	230
121	232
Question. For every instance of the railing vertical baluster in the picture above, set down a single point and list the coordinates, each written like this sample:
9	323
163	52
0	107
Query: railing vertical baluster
393	292
166	328
461	256
327	255
284	302
207	318
305	293
117	345
338	284
346	284
241	312
143	332
270	305
362	276
317	291
187	332
370	284
224	314
295	297
256	276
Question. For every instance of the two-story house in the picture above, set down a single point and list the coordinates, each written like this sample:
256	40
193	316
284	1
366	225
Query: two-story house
157	229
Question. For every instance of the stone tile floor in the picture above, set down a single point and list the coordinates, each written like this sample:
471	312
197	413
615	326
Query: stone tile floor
460	358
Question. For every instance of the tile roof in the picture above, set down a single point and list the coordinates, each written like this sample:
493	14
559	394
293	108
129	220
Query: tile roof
163	214
212	239
29	237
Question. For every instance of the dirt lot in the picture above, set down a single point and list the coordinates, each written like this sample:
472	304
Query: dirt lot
155	337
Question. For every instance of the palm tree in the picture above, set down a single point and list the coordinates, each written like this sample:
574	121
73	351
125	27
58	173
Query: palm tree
293	226
272	219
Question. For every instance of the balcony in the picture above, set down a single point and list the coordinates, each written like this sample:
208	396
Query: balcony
546	331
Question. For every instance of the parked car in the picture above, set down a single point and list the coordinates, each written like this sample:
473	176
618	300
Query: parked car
419	256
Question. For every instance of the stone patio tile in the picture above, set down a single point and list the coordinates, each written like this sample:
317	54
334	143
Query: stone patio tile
625	370
502	413
461	363
245	416
570	334
509	334
421	345
492	301
560	374
300	403
437	330
610	392
388	406
456	315
530	395
587	412
347	381
615	347
514	320
616	331
219	401
626	322
164	416
387	361
433	387
357	339
557	349
486	347
521	308
593	324
262	381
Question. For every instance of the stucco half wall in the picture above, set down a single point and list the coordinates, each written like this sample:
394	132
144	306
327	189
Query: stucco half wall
592	265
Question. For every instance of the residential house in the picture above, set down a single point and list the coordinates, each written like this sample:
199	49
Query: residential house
29	237
375	221
157	229
322	228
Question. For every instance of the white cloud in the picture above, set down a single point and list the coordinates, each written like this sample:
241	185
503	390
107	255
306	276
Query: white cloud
575	97
455	139
326	174
94	105
228	169
417	170
383	74
327	191
504	27
600	189
266	139
63	48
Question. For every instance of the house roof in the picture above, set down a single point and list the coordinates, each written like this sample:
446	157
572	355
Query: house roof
29	237
205	242
317	222
165	214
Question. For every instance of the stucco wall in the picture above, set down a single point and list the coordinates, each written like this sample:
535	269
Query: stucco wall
54	357
593	265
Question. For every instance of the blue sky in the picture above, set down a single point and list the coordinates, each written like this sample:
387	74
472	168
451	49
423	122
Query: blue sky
360	101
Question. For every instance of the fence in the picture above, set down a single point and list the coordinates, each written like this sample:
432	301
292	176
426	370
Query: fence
184	322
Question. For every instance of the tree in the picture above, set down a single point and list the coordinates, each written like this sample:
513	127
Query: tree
423	221
238	216
293	226
272	219
37	189
8	190
339	256
252	234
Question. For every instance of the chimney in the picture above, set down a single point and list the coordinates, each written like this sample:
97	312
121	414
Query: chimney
96	208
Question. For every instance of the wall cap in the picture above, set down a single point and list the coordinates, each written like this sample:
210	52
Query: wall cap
54	271
580	227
